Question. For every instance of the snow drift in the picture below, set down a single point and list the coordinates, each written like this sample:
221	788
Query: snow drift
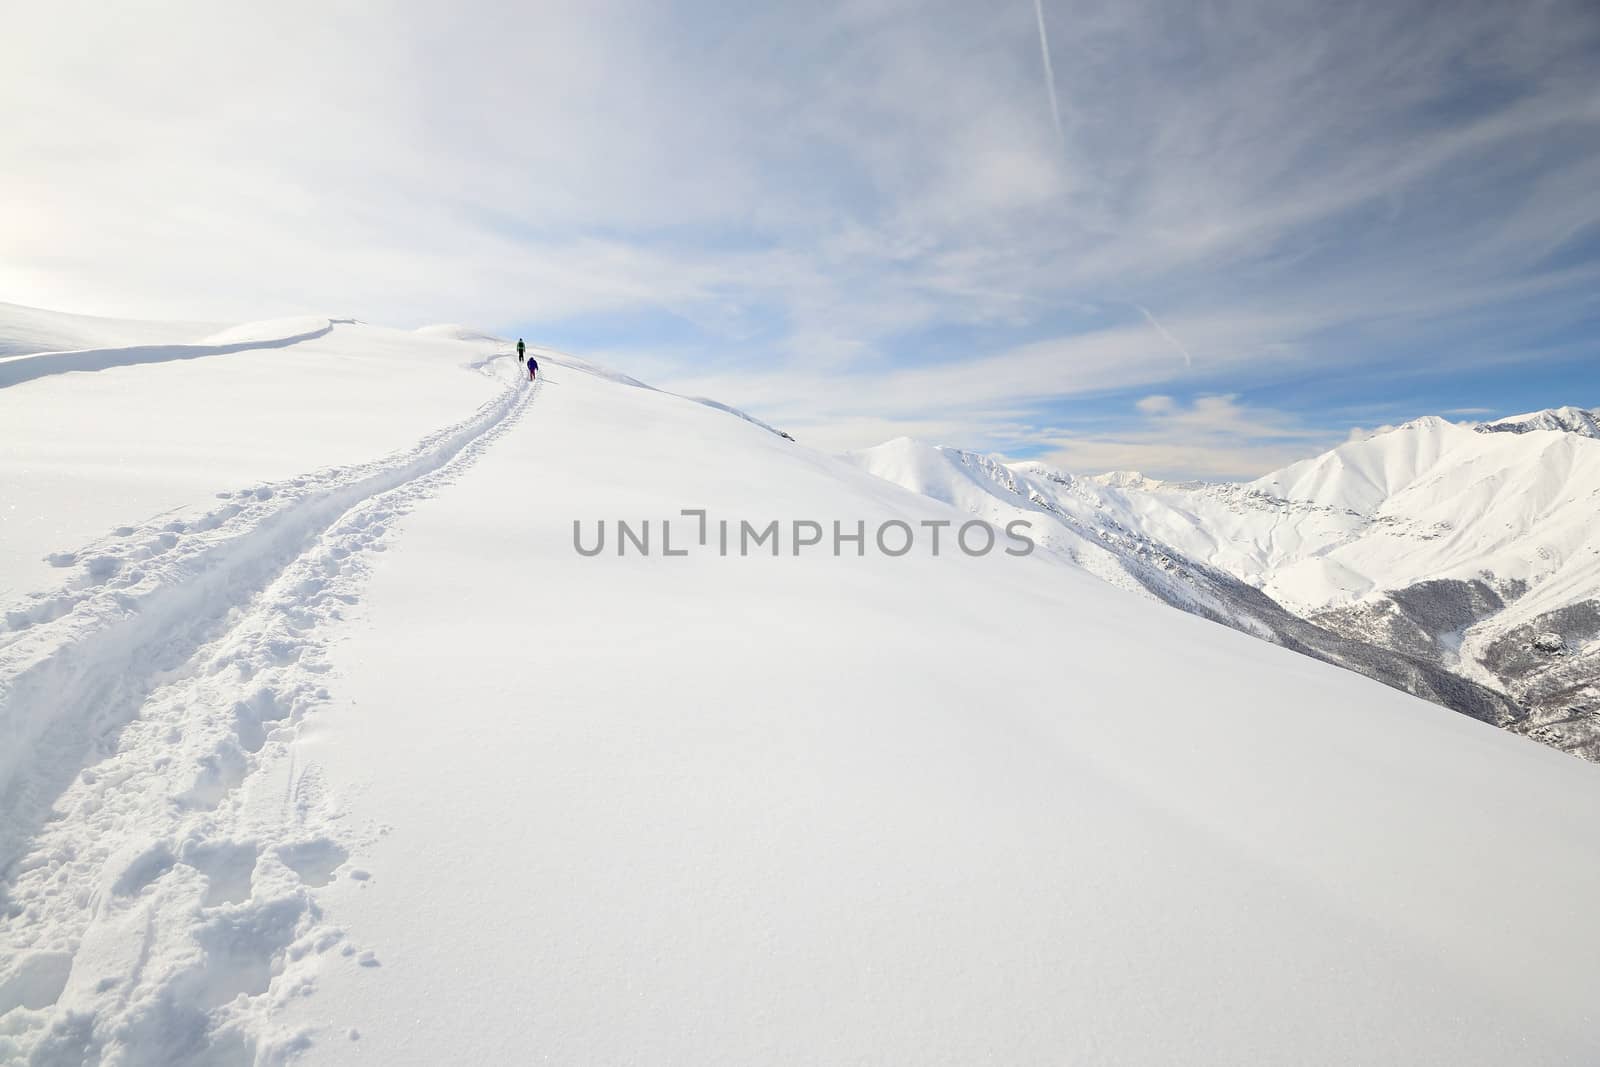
26	330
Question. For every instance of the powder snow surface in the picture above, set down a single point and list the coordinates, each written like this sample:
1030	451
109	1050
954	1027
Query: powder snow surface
364	763
159	431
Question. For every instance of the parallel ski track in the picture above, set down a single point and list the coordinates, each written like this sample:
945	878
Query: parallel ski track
139	891
76	664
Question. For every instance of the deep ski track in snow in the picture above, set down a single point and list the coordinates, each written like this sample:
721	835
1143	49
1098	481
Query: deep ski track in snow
140	895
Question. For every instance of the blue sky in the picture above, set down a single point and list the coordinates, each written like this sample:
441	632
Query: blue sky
1242	230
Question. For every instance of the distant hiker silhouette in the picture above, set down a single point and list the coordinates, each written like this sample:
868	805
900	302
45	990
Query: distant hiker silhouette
533	368
521	348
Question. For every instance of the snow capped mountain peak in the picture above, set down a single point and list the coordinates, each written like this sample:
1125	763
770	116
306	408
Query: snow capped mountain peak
1566	419
1446	545
1125	480
1423	424
1360	475
946	474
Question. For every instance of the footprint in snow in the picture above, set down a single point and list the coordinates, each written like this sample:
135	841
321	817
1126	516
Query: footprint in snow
229	867
314	861
144	869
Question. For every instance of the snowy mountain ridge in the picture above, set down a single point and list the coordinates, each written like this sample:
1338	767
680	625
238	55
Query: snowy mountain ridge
1459	549
308	709
1566	419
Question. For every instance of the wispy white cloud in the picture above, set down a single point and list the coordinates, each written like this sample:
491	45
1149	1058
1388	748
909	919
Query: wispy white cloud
857	208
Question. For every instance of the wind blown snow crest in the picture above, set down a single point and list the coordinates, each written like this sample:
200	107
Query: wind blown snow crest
254	337
27	330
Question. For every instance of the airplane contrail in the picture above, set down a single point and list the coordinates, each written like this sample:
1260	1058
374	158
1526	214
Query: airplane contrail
1049	72
1162	330
1061	139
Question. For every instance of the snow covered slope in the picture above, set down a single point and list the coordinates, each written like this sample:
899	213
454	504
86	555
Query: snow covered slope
1437	500
26	330
373	765
1452	549
100	440
1109	529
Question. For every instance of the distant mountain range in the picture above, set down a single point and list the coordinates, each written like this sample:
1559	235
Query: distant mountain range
1565	419
1458	562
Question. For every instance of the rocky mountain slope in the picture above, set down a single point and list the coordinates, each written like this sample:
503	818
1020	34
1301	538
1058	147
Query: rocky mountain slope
1567	419
1459	563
